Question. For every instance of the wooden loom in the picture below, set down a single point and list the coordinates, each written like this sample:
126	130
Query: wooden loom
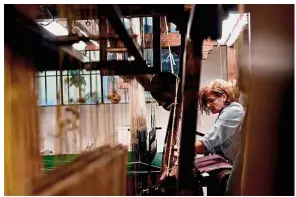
22	139
81	176
189	88
66	180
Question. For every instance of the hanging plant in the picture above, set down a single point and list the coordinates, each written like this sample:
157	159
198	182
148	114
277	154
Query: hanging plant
76	79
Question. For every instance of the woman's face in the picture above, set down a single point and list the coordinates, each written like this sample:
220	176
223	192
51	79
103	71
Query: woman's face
214	103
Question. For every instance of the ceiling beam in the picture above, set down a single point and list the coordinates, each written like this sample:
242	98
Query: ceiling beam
91	11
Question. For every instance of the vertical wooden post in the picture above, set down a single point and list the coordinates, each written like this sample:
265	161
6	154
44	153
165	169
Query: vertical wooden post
231	63
22	160
267	143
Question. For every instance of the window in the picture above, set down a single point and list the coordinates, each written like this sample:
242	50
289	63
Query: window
89	82
147	21
173	28
74	82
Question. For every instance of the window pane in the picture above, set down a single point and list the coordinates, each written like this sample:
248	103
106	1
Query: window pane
52	73
65	90
85	72
173	27
73	93
86	87
147	25
95	97
126	23
40	73
93	56
99	88
51	91
109	85
106	84
41	95
95	72
111	56
64	72
76	80
148	55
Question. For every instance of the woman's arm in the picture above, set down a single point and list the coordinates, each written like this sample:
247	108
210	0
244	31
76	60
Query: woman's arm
225	126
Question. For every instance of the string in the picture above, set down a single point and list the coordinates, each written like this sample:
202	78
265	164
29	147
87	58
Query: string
174	109
173	124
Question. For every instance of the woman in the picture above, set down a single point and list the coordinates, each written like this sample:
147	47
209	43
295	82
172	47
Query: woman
221	97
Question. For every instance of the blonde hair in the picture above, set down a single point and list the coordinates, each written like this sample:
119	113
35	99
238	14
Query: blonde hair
218	87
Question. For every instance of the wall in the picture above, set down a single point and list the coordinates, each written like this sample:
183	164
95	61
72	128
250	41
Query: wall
106	118
101	118
214	67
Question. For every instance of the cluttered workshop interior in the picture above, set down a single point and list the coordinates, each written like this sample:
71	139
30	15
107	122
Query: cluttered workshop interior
148	100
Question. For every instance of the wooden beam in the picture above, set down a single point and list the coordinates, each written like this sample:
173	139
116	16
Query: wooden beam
91	11
173	39
207	46
163	26
231	63
103	43
156	44
114	67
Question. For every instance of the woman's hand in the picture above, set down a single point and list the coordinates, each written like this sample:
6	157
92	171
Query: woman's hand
200	148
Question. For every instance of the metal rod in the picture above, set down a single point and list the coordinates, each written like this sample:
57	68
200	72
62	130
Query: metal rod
68	85
102	89
61	87
45	84
57	86
90	78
